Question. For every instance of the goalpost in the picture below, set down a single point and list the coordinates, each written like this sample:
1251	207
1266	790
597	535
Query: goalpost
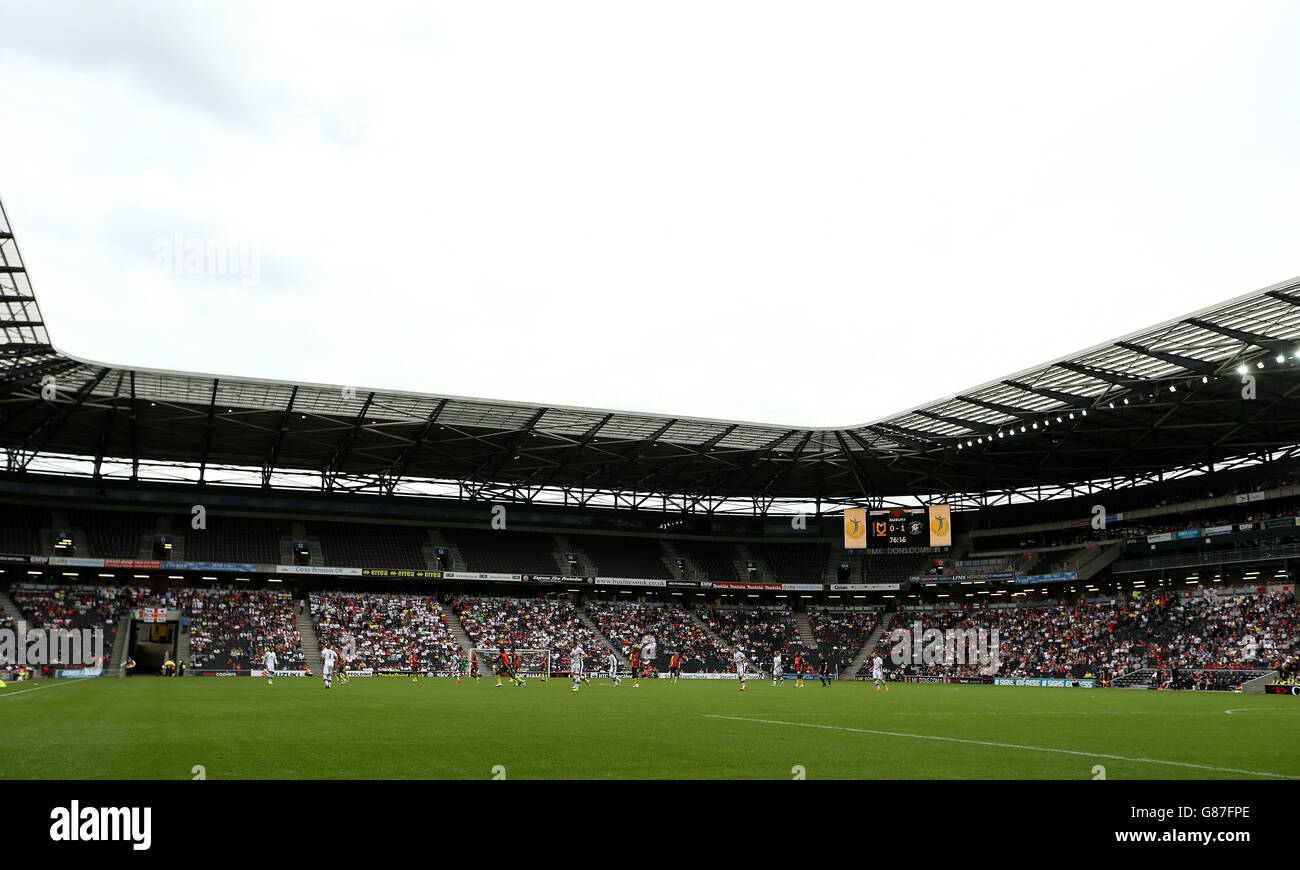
532	662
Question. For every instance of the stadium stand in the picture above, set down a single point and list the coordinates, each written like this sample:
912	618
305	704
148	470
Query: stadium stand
797	563
505	552
1228	631
531	623
77	607
362	546
760	632
1160	630
231	628
625	624
18	530
384	631
717	559
623	556
233	539
840	634
894	567
1208	680
113	534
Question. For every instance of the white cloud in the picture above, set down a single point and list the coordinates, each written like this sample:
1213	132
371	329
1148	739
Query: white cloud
812	216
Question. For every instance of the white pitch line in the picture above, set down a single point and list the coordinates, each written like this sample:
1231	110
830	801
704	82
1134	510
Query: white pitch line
1002	745
1259	710
1062	713
8	694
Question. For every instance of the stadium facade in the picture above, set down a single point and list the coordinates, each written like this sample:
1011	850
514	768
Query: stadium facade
1159	403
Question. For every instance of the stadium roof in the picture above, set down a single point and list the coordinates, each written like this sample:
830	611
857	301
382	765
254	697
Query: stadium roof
1164	400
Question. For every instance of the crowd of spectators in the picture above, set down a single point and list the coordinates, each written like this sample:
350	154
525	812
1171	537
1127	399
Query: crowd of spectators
77	607
627	624
230	629
382	632
1227	630
526	623
1054	641
840	634
1102	640
1205	681
760	632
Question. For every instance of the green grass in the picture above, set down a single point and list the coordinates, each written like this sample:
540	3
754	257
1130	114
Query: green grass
384	727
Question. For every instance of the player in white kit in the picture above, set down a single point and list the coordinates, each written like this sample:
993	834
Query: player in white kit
878	673
739	658
268	662
576	656
777	671
328	657
611	666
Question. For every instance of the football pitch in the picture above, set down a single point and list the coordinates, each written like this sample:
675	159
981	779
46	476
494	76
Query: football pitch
392	728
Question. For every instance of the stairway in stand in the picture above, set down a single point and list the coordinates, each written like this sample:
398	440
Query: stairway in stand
805	629
457	630
704	627
10	609
860	660
591	624
117	656
310	642
182	644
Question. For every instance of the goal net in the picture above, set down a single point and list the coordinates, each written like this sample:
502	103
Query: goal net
532	662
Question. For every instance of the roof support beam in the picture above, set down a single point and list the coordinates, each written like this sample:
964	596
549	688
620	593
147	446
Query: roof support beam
612	474
335	465
697	451
51	425
880	476
135	434
393	474
31	374
1278	294
26	349
1267	342
268	467
1193	365
107	431
755	461
1099	374
1010	410
958	421
207	432
860	475
578	446
1065	398
778	480
503	454
904	436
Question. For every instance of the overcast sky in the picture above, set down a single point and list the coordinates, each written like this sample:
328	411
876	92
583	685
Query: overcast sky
808	214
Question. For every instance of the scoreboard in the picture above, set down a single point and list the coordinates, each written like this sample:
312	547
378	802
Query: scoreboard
898	527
